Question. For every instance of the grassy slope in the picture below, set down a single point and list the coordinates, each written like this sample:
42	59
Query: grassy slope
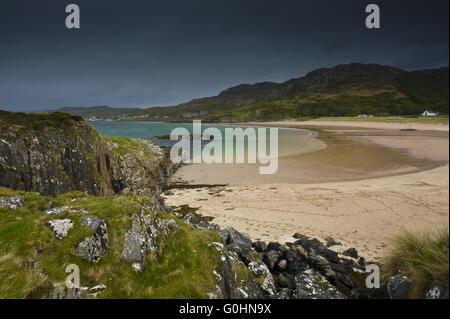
40	121
124	145
180	272
420	256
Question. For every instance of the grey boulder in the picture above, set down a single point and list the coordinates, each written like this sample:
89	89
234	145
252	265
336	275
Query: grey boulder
95	247
143	237
260	270
270	258
312	285
60	227
351	252
14	202
398	287
237	242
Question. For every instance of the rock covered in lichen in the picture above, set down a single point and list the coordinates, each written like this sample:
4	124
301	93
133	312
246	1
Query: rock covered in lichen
95	247
13	202
310	284
199	222
141	170
63	209
60	227
233	279
262	273
144	237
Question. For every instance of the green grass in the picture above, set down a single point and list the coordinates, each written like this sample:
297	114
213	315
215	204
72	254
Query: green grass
124	145
39	121
179	272
420	256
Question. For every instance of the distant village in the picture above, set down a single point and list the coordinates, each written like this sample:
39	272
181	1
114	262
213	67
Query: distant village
124	117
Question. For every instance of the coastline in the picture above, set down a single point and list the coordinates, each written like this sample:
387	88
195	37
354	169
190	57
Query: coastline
345	154
355	124
401	182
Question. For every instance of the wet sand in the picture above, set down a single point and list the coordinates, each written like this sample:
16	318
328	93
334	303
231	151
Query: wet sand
346	155
361	189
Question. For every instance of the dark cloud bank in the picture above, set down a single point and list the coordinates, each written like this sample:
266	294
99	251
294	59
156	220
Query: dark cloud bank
147	53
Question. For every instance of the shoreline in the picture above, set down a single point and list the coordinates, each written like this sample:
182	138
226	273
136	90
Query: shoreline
374	207
354	124
345	155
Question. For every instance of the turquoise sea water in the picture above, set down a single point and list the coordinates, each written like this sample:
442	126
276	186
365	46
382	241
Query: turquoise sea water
290	141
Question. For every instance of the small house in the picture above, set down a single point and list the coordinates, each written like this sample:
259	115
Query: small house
429	113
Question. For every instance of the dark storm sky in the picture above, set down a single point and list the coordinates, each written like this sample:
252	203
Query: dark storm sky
148	53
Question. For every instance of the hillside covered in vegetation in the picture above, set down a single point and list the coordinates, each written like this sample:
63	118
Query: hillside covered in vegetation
344	90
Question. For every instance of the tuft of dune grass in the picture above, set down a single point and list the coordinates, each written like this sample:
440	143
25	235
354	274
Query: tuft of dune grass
422	256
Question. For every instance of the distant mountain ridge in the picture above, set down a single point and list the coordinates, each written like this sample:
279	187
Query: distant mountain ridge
355	71
343	90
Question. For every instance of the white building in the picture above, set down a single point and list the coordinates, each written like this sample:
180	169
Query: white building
429	113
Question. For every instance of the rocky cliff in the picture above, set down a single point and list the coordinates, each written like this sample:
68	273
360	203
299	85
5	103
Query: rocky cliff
54	153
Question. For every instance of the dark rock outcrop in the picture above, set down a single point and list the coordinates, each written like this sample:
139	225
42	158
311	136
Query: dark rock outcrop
398	287
237	242
351	252
346	281
270	258
304	269
259	246
55	153
332	242
232	280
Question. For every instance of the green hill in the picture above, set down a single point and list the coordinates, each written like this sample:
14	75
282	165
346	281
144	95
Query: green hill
344	90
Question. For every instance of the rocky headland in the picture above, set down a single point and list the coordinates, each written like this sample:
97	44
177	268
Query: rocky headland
53	154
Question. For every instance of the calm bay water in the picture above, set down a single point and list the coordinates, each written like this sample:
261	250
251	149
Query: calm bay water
290	141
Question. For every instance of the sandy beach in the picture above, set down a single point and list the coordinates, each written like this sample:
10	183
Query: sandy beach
370	181
359	124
